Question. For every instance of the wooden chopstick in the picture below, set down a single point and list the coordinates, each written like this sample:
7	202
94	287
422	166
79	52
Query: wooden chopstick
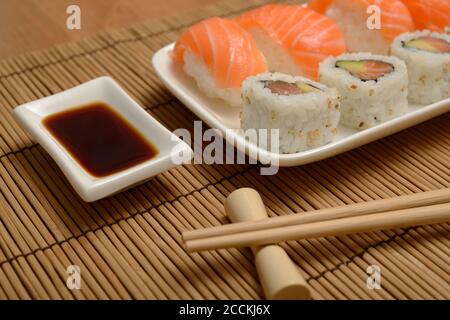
351	210
369	222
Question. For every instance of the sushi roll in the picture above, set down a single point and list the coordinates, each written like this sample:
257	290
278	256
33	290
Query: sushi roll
431	15
373	88
219	55
305	112
294	39
427	56
352	18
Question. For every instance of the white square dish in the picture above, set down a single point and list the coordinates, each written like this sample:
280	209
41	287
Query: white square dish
106	90
217	114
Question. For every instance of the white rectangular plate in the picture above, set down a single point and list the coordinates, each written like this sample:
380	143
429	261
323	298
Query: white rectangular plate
217	114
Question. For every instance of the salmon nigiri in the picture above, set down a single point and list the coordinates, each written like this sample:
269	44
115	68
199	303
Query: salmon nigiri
433	15
219	55
360	31
294	39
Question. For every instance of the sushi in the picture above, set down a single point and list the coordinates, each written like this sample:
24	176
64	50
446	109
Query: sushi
427	56
373	88
352	18
294	39
219	55
432	15
305	112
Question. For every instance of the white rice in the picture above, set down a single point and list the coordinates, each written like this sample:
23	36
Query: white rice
352	20
304	120
206	82
429	72
367	103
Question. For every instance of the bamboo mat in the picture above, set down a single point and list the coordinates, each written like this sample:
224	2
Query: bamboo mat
129	245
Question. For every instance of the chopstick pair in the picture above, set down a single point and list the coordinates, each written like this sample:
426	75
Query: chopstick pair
399	212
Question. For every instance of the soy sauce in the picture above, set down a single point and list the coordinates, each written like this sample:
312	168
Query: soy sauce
100	139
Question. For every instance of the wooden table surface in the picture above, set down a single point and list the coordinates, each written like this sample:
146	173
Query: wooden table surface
27	25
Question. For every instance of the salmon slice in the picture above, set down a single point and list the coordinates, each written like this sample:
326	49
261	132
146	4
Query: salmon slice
308	37
395	16
433	15
228	51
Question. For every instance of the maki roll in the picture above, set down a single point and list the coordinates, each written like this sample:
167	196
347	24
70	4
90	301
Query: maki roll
427	56
219	55
305	112
373	88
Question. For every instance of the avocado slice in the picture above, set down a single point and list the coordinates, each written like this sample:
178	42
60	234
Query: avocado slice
352	66
306	88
